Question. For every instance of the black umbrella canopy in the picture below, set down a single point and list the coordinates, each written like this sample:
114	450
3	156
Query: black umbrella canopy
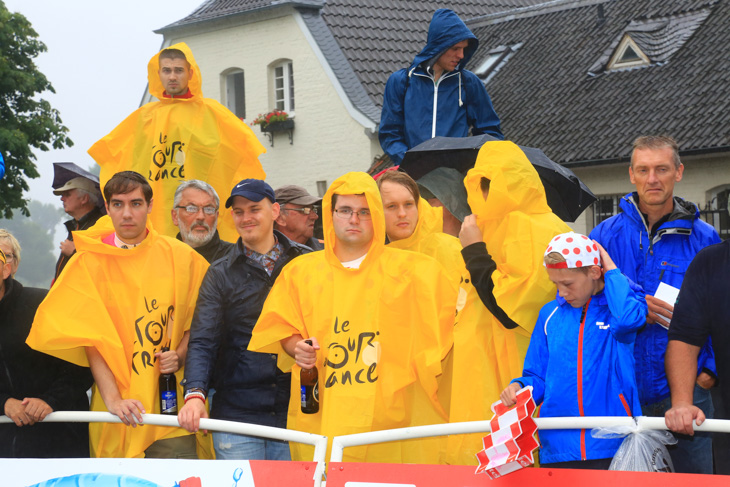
65	171
566	194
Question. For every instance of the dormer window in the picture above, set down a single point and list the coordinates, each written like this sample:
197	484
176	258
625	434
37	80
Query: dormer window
496	58
648	42
628	55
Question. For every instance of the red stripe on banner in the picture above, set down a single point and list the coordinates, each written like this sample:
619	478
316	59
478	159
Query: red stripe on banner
271	473
376	474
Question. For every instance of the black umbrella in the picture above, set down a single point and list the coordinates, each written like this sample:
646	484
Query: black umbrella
566	194
63	172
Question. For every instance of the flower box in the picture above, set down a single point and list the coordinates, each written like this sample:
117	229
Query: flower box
282	126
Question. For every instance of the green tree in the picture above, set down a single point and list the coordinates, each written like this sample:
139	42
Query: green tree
36	237
27	121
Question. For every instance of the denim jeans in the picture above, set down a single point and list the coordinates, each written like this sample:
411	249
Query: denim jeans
691	454
240	447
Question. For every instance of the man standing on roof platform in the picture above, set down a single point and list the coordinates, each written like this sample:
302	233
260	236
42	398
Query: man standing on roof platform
297	216
436	96
652	241
182	136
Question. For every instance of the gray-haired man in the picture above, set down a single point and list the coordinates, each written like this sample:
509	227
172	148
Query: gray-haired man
297	216
82	201
195	213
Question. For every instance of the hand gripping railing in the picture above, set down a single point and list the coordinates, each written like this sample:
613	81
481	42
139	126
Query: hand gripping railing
319	442
339	443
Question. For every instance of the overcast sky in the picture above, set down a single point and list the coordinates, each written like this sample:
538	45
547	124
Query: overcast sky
97	62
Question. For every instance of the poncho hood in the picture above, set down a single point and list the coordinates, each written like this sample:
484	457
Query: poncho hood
153	78
354	183
515	185
445	30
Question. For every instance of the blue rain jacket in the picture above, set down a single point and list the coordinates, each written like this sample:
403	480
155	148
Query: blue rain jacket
417	108
585	368
664	258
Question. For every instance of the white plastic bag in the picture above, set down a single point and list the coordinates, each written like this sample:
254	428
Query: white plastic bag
641	451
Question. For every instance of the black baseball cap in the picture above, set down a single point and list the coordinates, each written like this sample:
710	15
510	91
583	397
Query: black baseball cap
252	189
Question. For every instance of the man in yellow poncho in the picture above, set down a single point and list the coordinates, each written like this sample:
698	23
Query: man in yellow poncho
380	321
504	241
182	136
418	228
127	293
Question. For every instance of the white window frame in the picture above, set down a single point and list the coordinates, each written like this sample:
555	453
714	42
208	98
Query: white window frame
625	43
283	95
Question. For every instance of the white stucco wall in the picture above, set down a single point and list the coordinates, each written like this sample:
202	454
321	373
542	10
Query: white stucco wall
328	142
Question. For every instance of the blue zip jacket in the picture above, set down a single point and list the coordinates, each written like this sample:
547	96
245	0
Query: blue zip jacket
417	108
664	258
585	367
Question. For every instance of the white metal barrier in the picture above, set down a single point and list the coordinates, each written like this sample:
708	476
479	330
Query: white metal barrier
339	443
319	442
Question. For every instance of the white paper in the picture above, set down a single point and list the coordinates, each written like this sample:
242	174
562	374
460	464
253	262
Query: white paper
668	294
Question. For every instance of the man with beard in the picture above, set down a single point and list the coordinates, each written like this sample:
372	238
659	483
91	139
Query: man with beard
195	213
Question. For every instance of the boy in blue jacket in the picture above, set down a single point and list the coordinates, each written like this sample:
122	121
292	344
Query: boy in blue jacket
580	361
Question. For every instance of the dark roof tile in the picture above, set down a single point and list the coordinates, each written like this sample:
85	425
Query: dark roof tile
546	97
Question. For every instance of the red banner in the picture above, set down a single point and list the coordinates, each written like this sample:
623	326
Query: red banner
396	475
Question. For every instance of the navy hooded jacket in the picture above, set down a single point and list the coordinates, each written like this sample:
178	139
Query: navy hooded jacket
417	108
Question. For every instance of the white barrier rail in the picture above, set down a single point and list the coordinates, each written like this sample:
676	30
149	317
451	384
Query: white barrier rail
339	443
319	442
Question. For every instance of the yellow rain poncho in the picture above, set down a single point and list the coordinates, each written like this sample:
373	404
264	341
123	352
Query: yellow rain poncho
516	224
127	304
383	330
177	139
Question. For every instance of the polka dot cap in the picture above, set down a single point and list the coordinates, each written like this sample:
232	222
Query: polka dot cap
578	250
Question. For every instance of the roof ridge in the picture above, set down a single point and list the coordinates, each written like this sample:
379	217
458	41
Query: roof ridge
547	7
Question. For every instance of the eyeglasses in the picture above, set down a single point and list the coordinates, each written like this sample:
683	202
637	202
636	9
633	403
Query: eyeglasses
346	213
193	210
303	211
10	256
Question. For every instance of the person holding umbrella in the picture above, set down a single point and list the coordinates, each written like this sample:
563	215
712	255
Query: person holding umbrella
436	95
504	241
81	200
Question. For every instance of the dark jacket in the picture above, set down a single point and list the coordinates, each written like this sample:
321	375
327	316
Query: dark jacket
703	309
213	250
249	386
417	108
481	266
648	259
27	373
86	221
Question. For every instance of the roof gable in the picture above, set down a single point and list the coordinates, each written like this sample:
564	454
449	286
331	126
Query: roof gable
657	39
546	97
